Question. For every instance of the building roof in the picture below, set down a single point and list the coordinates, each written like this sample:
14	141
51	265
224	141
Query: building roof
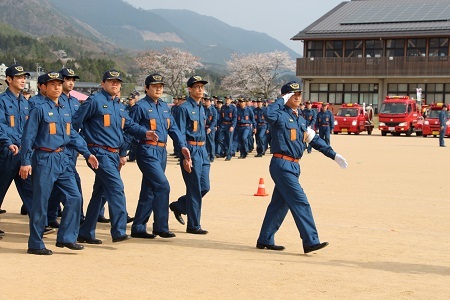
381	18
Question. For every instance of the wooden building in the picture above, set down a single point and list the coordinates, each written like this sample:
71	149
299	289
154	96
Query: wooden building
363	50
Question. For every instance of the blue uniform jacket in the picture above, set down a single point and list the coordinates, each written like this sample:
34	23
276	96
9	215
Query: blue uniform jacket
228	113
325	118
443	117
310	116
72	102
36	100
49	126
192	120
245	116
211	117
13	115
288	132
157	117
102	120
260	119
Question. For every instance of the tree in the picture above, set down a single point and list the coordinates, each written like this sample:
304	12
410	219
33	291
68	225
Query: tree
257	74
172	63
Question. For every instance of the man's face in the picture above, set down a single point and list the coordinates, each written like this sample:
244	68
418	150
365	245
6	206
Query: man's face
197	90
112	86
260	104
17	83
54	89
295	100
68	84
155	91
227	101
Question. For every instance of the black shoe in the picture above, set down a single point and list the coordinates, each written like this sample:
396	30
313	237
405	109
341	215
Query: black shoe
2	211
129	219
228	159
270	247
176	213
315	247
53	224
196	231
49	230
172	154
43	251
142	235
2	233
23	211
71	246
258	155
102	219
167	234
81	239
242	157
121	238
217	156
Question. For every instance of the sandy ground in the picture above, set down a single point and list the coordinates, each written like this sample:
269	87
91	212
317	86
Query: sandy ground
387	218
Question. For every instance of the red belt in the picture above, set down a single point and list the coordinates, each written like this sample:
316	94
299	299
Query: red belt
285	157
113	150
227	123
324	125
60	149
244	125
193	143
159	144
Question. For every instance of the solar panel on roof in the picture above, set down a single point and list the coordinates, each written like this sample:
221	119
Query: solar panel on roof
399	14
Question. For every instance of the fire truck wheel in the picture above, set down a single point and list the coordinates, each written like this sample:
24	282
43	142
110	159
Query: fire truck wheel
369	131
384	133
424	135
396	133
418	133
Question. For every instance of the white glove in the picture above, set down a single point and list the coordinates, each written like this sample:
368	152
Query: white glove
287	96
341	161
310	134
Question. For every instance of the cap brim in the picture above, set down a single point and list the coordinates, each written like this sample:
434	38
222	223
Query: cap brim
200	81
112	78
22	73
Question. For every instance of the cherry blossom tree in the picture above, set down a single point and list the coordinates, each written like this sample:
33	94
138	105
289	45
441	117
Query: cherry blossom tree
257	74
172	63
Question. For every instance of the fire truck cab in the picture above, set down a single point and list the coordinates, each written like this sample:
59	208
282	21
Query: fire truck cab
431	124
399	114
352	117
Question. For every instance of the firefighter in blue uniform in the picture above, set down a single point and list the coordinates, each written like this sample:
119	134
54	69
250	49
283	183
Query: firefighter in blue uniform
192	120
310	115
151	155
14	112
102	119
211	124
251	136
443	117
40	97
245	125
48	131
325	123
227	124
290	134
261	128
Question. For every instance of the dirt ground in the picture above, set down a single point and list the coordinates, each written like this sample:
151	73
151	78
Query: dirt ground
387	218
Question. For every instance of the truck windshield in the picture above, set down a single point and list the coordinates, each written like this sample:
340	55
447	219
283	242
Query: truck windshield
347	112
393	108
434	114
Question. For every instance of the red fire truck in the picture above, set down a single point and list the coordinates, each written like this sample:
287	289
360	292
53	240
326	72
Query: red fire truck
398	114
352	117
431	124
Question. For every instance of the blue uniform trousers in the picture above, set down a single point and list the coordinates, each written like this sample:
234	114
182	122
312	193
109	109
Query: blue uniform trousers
108	185
288	195
52	170
324	133
225	141
251	140
261	136
9	168
442	136
211	144
197	185
243	132
155	189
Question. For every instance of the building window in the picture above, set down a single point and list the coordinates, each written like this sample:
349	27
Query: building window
333	49
395	48
374	48
353	48
416	47
315	49
438	47
338	93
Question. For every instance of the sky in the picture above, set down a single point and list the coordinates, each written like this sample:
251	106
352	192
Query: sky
280	19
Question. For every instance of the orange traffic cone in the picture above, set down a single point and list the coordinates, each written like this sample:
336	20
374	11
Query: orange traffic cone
261	188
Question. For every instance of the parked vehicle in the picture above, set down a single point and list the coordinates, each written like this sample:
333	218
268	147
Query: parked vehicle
431	124
399	114
353	118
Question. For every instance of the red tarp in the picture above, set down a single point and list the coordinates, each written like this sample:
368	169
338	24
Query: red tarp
78	95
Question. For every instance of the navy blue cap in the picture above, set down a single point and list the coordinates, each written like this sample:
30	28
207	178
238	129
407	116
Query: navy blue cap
66	72
154	79
51	76
194	79
15	70
291	87
40	79
112	74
